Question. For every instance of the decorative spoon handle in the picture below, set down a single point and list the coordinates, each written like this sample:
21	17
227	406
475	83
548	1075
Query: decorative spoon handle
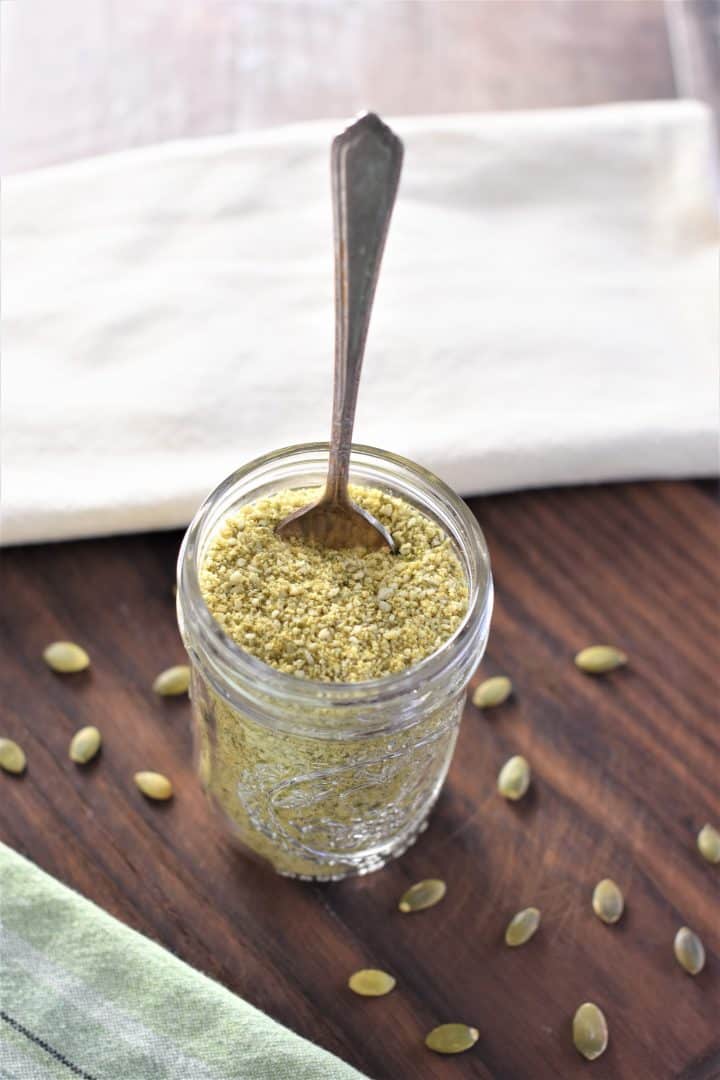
365	167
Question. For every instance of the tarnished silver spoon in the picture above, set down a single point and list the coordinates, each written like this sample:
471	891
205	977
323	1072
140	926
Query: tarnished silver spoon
365	167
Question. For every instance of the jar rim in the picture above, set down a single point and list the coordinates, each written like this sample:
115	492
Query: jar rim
221	648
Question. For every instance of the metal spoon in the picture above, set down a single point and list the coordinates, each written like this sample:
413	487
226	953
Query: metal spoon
365	169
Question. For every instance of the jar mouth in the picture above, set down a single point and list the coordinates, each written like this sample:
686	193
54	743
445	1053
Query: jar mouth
431	495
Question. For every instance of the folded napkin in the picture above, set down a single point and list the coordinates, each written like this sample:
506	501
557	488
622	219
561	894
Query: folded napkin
546	312
81	995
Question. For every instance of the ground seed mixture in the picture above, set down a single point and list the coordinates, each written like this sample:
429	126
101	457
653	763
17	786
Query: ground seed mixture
336	616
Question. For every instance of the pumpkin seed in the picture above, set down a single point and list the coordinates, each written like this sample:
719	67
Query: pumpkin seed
424	894
689	951
452	1038
607	901
174	680
371	983
590	1031
599	659
84	745
514	778
522	926
154	785
492	692
66	657
12	757
708	843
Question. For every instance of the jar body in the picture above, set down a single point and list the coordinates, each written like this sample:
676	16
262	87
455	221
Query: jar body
325	780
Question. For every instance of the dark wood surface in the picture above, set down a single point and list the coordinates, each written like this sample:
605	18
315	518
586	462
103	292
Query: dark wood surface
626	770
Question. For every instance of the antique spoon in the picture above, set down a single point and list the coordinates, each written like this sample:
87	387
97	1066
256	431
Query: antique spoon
365	169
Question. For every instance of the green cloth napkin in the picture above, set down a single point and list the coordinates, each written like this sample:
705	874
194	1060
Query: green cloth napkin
81	995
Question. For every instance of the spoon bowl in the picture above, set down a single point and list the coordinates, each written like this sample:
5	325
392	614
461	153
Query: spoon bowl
336	525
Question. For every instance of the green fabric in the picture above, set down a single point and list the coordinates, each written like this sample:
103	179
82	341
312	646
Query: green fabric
81	995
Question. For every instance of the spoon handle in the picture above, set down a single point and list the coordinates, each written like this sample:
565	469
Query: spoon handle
365	169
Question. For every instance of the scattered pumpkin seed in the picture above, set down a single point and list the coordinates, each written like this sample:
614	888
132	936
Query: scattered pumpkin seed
154	785
599	659
689	951
452	1038
84	745
492	692
590	1031
174	680
522	926
424	894
65	657
12	757
369	982
514	778
607	901
708	843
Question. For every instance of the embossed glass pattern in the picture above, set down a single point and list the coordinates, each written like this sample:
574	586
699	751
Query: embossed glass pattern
327	779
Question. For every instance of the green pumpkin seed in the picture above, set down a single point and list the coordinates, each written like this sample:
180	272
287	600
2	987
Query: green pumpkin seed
607	901
84	745
174	680
590	1031
708	843
424	894
599	659
369	982
65	657
514	778
12	757
492	692
154	785
522	926
452	1038
689	951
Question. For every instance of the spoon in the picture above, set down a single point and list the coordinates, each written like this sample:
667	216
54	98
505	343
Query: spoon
365	167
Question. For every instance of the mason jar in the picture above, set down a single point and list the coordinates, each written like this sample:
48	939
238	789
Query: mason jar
320	779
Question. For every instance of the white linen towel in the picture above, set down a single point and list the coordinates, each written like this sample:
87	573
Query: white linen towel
546	312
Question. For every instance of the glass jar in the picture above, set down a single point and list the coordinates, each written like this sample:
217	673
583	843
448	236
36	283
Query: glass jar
327	779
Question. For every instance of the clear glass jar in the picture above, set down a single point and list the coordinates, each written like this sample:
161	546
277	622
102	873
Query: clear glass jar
327	779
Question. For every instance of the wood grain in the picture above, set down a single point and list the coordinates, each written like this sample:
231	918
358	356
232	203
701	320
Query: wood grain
85	77
625	773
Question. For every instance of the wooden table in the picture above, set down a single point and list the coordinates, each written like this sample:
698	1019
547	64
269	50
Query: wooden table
626	769
625	773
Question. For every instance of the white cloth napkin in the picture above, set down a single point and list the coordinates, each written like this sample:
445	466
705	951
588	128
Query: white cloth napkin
546	312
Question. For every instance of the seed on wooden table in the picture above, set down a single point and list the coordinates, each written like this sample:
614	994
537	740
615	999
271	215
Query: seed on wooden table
522	926
65	657
590	1031
12	757
369	982
174	680
492	692
514	778
84	745
708	843
422	895
154	785
452	1038
689	951
599	659
607	901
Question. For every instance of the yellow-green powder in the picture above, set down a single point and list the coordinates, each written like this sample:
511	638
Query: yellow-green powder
336	616
318	806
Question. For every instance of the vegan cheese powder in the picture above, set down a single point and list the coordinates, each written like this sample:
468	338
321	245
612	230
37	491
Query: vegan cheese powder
318	801
334	615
